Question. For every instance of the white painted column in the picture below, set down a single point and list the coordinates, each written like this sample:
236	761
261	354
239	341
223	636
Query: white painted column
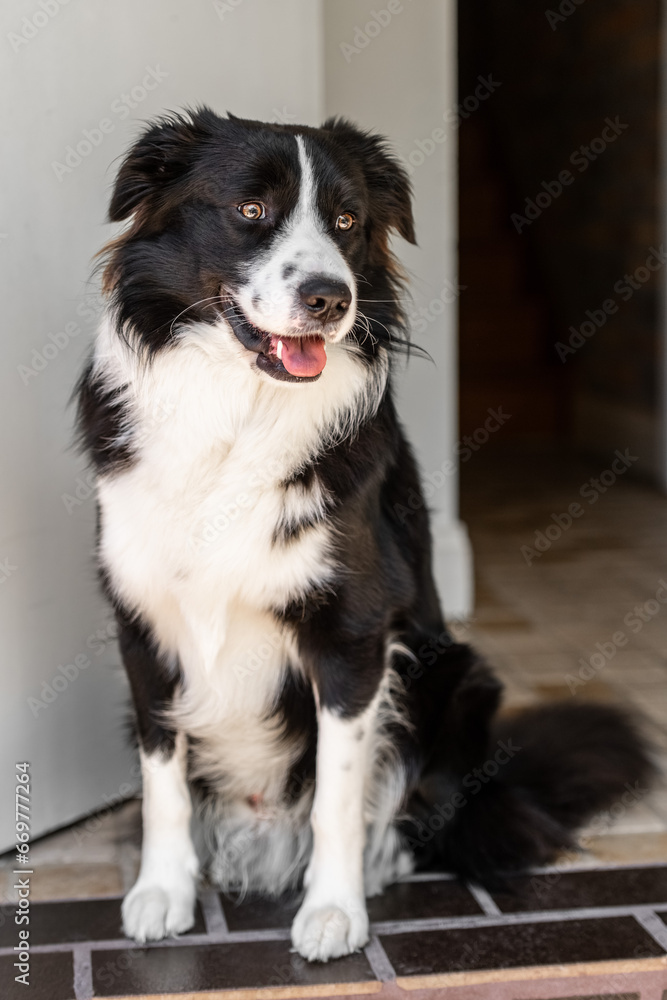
391	66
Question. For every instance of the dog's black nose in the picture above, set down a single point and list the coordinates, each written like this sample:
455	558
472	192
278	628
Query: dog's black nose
325	299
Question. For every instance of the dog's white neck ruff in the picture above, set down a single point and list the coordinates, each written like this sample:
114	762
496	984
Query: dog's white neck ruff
188	530
192	533
214	440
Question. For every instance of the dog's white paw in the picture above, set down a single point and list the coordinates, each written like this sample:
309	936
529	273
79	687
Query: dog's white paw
323	932
151	911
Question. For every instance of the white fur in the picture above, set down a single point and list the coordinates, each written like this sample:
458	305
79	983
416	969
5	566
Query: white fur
332	920
187	531
163	897
188	539
269	300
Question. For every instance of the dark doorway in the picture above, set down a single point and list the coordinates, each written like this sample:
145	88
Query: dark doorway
559	222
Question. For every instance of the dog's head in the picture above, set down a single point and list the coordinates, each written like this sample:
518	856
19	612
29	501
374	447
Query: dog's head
277	234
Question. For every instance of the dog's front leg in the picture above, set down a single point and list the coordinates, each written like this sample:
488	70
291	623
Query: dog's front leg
162	900
332	920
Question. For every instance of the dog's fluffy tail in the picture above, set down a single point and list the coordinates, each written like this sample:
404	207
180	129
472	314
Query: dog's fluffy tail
523	785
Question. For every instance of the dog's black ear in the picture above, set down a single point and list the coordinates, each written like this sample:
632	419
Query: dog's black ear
163	154
387	179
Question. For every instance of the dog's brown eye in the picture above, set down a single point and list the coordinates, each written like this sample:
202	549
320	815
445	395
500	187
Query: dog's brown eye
345	221
252	210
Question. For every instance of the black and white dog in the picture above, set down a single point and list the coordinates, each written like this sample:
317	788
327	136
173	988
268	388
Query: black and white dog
292	675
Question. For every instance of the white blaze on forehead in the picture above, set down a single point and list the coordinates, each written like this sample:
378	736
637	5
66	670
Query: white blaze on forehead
304	249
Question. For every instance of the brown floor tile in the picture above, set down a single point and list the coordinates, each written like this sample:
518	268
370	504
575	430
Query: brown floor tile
570	890
51	978
222	966
422	901
6	879
601	996
256	913
613	560
624	848
75	882
81	920
593	690
517	945
403	901
637	819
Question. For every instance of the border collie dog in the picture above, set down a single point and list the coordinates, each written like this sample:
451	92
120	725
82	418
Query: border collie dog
303	716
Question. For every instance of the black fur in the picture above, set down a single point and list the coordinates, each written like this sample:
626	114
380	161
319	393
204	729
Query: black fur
497	796
183	244
152	682
101	420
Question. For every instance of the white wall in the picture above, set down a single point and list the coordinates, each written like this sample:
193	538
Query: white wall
261	59
392	67
62	74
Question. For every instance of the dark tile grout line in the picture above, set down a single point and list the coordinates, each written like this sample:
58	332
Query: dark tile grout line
645	915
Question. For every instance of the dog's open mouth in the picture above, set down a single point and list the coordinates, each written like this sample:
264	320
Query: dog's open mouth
287	358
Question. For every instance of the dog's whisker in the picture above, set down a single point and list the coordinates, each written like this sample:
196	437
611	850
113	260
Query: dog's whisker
193	305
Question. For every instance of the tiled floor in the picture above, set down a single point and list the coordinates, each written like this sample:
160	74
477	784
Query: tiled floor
593	926
579	619
555	930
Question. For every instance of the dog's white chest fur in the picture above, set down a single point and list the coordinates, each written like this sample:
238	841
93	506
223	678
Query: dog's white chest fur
191	532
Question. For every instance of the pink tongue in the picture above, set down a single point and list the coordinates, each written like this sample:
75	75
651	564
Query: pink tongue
304	356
